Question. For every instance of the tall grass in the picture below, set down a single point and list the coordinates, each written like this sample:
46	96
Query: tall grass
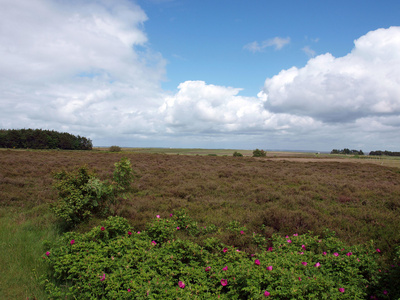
21	250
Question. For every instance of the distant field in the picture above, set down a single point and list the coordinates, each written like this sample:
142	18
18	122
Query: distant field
287	155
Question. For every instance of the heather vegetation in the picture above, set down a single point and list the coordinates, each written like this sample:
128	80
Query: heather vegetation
199	227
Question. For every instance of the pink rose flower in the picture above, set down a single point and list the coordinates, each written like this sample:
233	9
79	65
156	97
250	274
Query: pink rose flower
153	243
129	233
181	284
257	262
225	250
72	242
336	254
304	263
269	268
225	268
102	228
224	282
267	294
47	253
341	290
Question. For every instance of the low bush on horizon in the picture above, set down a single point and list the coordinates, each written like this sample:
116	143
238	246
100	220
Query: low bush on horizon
115	149
259	153
114	261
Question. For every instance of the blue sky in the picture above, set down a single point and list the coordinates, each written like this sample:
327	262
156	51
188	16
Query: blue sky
294	75
204	40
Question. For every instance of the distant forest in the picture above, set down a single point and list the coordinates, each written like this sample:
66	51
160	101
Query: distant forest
388	153
360	152
347	151
42	139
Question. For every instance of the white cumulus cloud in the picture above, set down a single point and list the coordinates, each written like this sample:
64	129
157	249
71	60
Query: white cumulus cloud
79	66
200	108
363	84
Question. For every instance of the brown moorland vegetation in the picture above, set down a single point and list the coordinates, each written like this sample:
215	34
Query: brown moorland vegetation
359	201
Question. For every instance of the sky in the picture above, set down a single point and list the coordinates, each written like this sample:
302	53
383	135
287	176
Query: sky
274	75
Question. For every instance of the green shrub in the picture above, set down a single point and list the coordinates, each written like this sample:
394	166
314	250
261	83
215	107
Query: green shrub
185	222
81	194
76	202
123	174
115	149
237	154
259	153
113	262
161	230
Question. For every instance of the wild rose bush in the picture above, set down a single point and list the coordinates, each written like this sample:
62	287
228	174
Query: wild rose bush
113	261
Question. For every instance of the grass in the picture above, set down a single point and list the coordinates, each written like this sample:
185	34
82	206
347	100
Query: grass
359	198
21	251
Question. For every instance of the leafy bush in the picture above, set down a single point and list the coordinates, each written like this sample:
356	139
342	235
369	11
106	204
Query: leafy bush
81	194
237	154
259	153
115	149
76	202
113	262
161	230
123	174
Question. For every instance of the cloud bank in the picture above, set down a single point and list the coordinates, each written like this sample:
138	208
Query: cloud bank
80	65
86	67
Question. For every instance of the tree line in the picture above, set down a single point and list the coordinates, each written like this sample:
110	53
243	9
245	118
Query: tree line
388	153
42	139
347	151
360	152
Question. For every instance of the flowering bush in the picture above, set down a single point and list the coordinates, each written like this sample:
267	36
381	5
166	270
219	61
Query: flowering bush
113	262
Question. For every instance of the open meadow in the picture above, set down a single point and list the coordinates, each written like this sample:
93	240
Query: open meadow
284	193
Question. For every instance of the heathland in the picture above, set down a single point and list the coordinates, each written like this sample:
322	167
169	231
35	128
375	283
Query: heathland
283	193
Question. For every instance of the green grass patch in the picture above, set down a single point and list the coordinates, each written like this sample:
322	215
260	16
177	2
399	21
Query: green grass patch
21	255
